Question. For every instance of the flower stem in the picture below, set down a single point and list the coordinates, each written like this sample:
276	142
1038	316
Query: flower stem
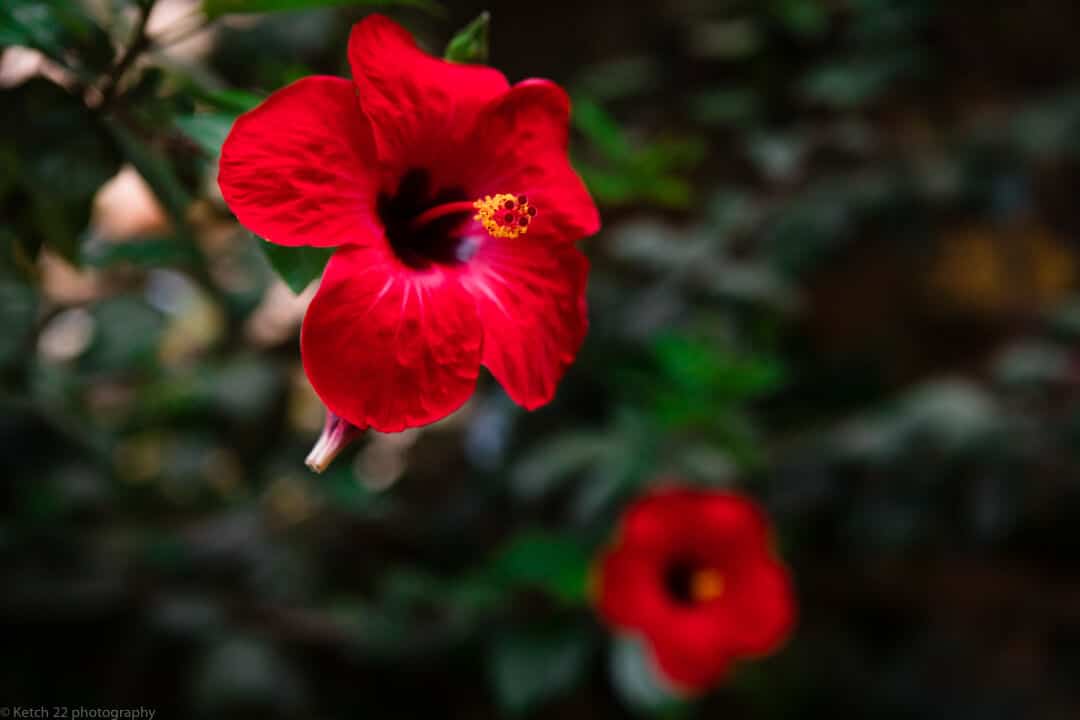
336	436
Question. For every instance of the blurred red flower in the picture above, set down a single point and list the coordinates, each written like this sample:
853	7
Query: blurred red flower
693	573
454	206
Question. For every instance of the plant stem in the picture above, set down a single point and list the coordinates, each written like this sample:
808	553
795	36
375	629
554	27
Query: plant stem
139	42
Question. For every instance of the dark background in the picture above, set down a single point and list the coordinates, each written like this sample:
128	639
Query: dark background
838	271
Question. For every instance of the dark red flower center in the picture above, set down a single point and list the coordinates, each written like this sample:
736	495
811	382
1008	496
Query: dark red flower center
691	583
424	226
423	223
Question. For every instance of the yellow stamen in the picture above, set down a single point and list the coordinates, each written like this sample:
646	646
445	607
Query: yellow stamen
706	584
504	215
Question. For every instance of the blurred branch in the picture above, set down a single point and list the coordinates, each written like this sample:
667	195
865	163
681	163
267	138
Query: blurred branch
139	42
179	36
192	21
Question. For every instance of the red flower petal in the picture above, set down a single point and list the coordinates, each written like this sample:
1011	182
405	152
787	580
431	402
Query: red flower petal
389	347
652	523
630	591
519	145
692	647
669	520
296	169
762	599
419	106
531	300
735	531
694	641
693	656
720	527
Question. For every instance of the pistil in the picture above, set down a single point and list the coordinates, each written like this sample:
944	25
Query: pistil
503	216
440	211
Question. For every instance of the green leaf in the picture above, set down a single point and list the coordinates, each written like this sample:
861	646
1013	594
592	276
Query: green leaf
704	370
807	18
297	266
227	101
58	28
619	79
470	44
736	107
145	252
126	336
410	588
207	130
18	309
849	85
530	667
635	172
216	8
549	464
553	563
54	156
156	170
601	129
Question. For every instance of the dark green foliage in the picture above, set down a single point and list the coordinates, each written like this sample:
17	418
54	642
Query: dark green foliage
214	8
532	667
557	564
470	44
47	196
61	29
297	266
838	272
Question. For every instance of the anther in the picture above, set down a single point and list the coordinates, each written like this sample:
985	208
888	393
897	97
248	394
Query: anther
504	215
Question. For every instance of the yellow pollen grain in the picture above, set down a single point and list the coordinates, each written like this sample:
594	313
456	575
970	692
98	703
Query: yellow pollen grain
491	208
706	585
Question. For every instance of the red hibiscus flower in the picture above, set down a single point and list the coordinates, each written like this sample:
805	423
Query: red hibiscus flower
454	208
692	572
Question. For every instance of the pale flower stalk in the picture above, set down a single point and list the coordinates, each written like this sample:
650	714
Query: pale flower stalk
337	434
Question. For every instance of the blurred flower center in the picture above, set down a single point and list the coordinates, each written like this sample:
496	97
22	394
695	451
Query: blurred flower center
690	583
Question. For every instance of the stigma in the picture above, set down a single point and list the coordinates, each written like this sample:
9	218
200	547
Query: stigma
706	584
504	215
